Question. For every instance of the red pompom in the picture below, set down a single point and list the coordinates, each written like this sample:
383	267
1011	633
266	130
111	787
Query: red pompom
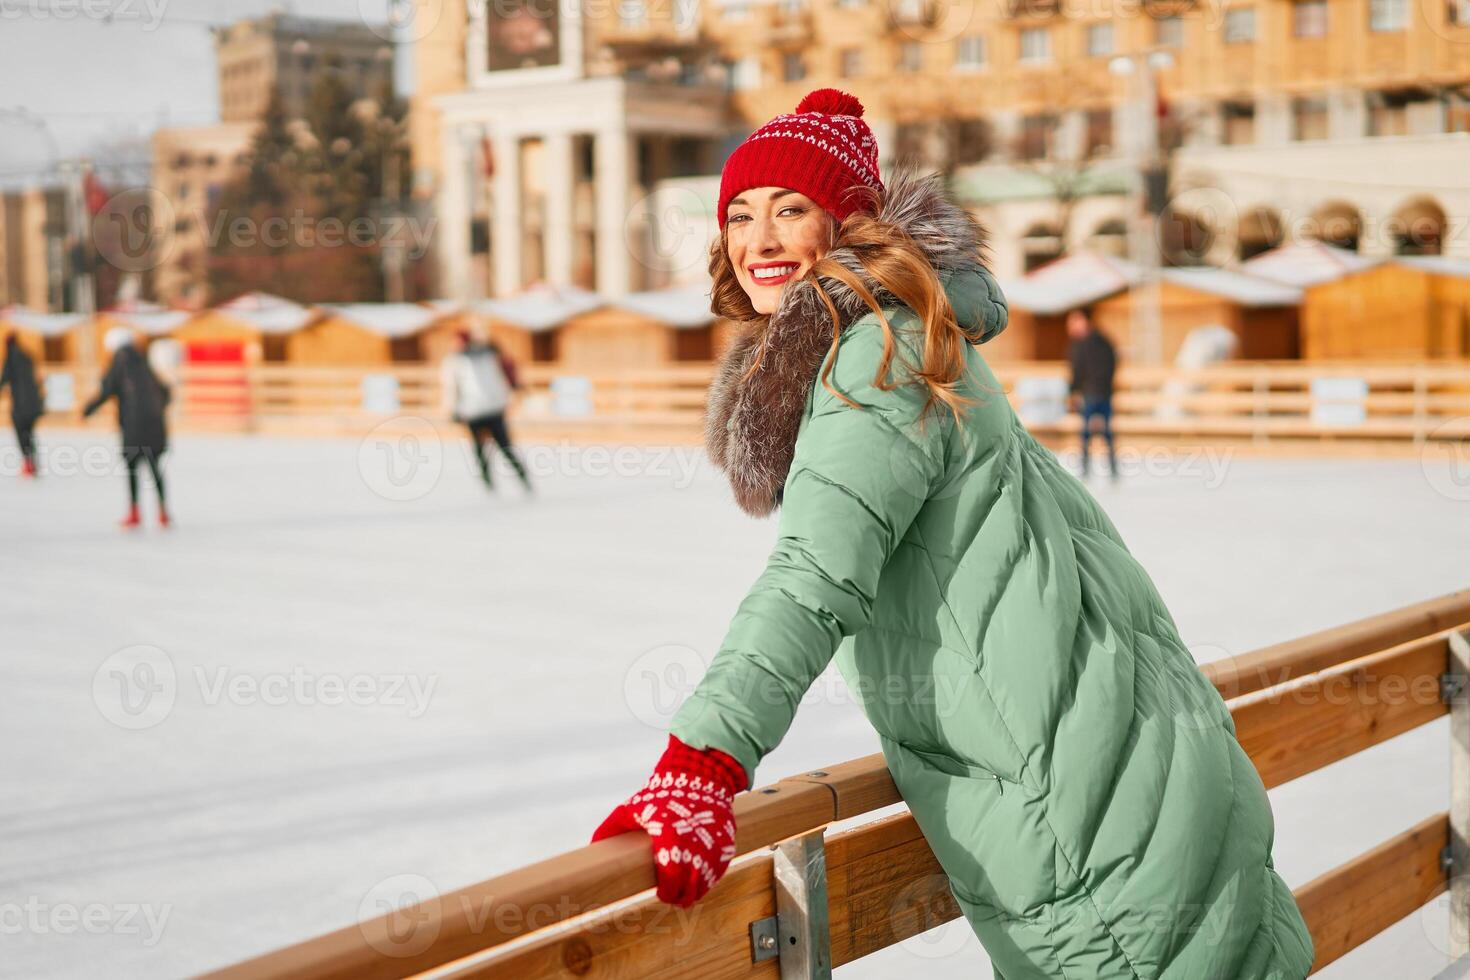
831	101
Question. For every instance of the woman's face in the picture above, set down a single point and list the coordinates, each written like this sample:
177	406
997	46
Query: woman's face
773	236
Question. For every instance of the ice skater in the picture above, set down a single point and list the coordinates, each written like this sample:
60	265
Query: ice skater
141	403
1094	361
1076	775
19	374
477	381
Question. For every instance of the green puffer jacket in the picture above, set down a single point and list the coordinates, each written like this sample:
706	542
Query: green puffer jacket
1076	775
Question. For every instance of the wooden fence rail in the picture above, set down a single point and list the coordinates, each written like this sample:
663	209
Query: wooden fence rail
1401	405
1297	707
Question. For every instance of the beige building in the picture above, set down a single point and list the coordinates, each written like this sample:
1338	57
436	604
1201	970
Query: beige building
283	54
279	54
1338	119
33	260
190	165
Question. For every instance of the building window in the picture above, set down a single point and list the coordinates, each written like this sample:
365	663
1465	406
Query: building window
850	62
746	74
736	10
1240	25
1388	15
791	7
910	56
851	4
1099	40
1388	113
1309	18
1035	45
1169	32
1036	136
1239	127
1458	12
1099	133
1309	119
793	69
969	52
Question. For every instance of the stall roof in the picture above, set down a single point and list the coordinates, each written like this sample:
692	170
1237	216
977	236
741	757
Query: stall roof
540	307
1440	265
684	307
391	320
1069	282
1303	264
1240	287
45	324
267	313
155	323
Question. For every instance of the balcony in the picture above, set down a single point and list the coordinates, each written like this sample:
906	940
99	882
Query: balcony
909	15
791	25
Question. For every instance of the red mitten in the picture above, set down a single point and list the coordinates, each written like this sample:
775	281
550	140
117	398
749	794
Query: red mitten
687	808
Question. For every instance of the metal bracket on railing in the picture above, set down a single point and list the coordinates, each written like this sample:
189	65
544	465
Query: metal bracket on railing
799	931
1451	686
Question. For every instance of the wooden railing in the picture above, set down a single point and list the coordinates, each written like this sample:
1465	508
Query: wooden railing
1253	403
1297	706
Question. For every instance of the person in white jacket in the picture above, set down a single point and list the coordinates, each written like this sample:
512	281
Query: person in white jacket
477	382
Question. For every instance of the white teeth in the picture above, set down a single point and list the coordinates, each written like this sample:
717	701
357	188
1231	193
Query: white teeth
775	272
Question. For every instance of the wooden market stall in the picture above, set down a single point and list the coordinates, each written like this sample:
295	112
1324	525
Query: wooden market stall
667	326
375	335
1040	301
1261	313
253	328
528	324
50	338
1411	307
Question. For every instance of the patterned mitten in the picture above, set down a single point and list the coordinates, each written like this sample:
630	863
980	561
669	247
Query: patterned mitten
686	808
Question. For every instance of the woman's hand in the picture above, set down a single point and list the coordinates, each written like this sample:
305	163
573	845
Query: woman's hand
687	807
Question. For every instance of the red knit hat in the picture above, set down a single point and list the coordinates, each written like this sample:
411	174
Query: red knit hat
823	150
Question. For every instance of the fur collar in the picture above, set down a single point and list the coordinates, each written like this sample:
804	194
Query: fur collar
750	426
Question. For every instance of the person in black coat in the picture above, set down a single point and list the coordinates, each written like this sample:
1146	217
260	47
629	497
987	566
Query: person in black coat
1094	362
141	400
19	374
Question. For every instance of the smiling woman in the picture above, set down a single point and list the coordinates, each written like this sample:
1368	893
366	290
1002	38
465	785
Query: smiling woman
1075	774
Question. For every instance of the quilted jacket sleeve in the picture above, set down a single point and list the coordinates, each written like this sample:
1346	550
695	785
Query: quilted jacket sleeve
857	481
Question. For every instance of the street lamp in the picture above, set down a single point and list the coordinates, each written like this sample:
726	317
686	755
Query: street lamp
1146	169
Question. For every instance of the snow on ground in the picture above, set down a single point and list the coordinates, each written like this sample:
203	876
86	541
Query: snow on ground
350	663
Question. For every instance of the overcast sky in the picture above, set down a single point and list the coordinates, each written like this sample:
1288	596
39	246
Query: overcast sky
97	83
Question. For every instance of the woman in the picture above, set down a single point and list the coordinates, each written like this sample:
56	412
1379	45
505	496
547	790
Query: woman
19	374
141	400
476	381
1075	774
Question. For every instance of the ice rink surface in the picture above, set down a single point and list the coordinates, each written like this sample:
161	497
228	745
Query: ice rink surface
350	671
